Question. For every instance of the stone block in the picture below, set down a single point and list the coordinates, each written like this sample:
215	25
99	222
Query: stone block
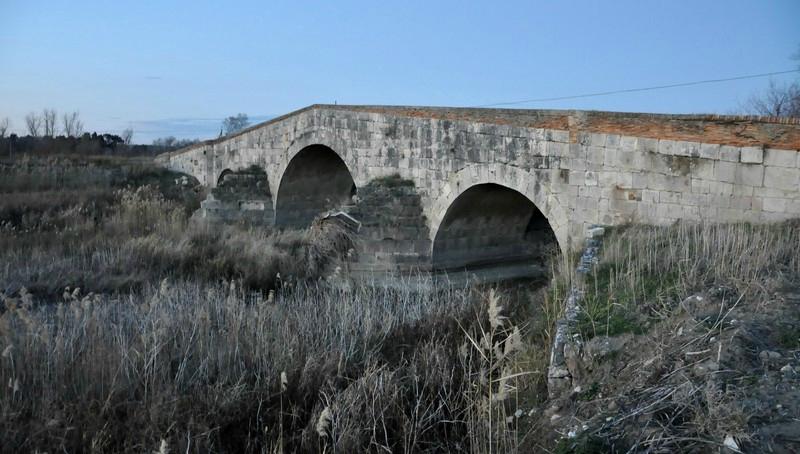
607	178
782	178
639	180
627	144
589	191
663	182
597	140
774	204
590	178
741	203
740	190
595	155
703	169
780	158
725	171
612	141
558	135
729	153
684	148
709	151
646	145
694	199
773	192
749	175
752	155
649	196
719	200
667	147
670	211
720	187
610	157
700	186
626	160
793	207
669	197
577	151
557	148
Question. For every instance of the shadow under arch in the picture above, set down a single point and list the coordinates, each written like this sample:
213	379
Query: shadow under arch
495	232
315	180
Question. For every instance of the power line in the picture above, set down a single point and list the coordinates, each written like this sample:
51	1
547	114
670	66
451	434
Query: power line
633	90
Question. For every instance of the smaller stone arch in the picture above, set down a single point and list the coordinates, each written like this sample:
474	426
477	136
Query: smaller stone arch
240	196
222	176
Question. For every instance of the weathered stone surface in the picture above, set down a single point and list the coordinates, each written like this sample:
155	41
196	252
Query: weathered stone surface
781	158
752	155
576	168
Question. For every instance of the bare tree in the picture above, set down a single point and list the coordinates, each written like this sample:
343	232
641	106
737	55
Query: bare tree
777	101
235	123
5	125
49	122
33	123
127	136
165	142
72	124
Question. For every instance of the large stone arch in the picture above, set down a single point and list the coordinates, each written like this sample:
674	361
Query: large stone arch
521	181
314	179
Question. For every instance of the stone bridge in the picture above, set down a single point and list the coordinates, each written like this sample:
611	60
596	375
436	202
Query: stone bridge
458	188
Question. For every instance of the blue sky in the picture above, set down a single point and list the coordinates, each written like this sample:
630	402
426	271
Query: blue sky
178	67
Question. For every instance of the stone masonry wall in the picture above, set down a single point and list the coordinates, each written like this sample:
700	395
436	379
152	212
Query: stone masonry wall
578	168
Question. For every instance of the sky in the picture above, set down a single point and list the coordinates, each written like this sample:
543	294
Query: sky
179	67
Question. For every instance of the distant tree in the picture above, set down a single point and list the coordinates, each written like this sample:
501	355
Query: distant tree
170	142
49	122
166	142
5	125
235	123
73	126
33	123
127	136
777	101
185	142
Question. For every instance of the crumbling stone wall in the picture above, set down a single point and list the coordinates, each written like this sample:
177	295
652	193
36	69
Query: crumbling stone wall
394	233
241	196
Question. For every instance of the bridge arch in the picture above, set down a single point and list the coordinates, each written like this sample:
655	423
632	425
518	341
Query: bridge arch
222	176
315	179
489	213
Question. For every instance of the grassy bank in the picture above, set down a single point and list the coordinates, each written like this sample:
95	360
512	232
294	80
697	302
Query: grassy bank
687	341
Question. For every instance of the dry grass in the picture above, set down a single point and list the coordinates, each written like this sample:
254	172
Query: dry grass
125	327
644	271
214	368
696	299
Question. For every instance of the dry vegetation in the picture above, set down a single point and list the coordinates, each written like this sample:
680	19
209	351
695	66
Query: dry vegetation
689	342
126	327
